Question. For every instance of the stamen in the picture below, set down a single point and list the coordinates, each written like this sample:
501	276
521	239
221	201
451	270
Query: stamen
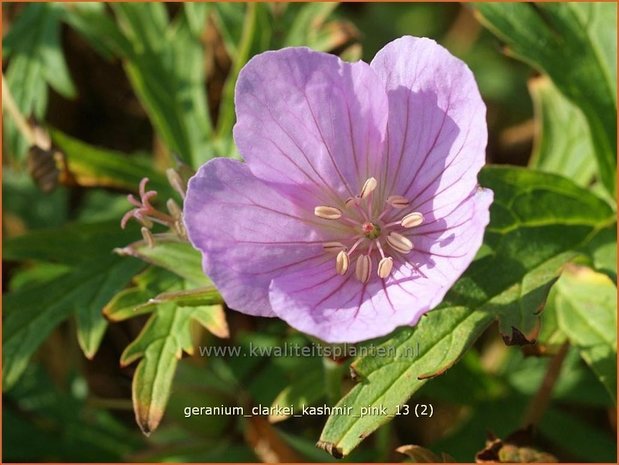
399	242
351	201
174	209
397	201
412	219
333	246
352	249
175	180
384	267
328	213
148	237
368	187
363	268
341	262
380	249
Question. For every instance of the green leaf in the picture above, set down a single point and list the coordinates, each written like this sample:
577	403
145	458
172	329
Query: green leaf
304	390
586	307
32	313
70	244
575	44
158	282
307	21
160	345
27	207
36	60
562	140
240	57
173	255
165	64
166	69
603	249
98	28
134	301
538	223
92	166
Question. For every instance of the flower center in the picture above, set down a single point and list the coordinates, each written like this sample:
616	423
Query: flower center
370	230
370	234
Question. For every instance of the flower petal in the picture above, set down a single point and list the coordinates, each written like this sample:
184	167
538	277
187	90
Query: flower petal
247	233
444	247
437	133
334	308
310	120
337	308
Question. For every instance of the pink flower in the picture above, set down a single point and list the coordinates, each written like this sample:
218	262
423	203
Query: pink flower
357	206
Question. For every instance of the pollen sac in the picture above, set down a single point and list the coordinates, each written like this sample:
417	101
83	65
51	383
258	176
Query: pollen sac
397	201
341	262
399	242
363	268
328	213
368	187
412	219
384	267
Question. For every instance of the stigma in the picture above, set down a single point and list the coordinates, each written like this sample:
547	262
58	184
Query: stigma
378	232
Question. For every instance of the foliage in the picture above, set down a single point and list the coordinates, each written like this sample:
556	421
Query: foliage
80	291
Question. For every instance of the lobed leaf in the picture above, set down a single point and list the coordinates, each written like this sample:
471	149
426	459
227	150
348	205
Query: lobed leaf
35	61
538	223
576	45
586	311
92	166
173	255
160	345
164	61
71	244
32	313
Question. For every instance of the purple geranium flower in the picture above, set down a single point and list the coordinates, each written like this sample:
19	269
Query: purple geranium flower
357	206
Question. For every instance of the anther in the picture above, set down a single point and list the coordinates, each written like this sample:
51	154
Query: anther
363	268
341	262
368	187
412	219
176	181
147	223
148	237
397	201
328	213
384	267
399	242
174	209
333	246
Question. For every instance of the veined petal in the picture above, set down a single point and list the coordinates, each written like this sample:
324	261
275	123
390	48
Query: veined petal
310	120
437	129
247	233
337	308
444	248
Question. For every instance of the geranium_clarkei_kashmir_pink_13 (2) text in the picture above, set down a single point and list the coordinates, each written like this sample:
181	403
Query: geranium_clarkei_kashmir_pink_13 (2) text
357	204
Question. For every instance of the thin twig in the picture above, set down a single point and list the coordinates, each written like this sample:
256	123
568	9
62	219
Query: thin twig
22	125
540	402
